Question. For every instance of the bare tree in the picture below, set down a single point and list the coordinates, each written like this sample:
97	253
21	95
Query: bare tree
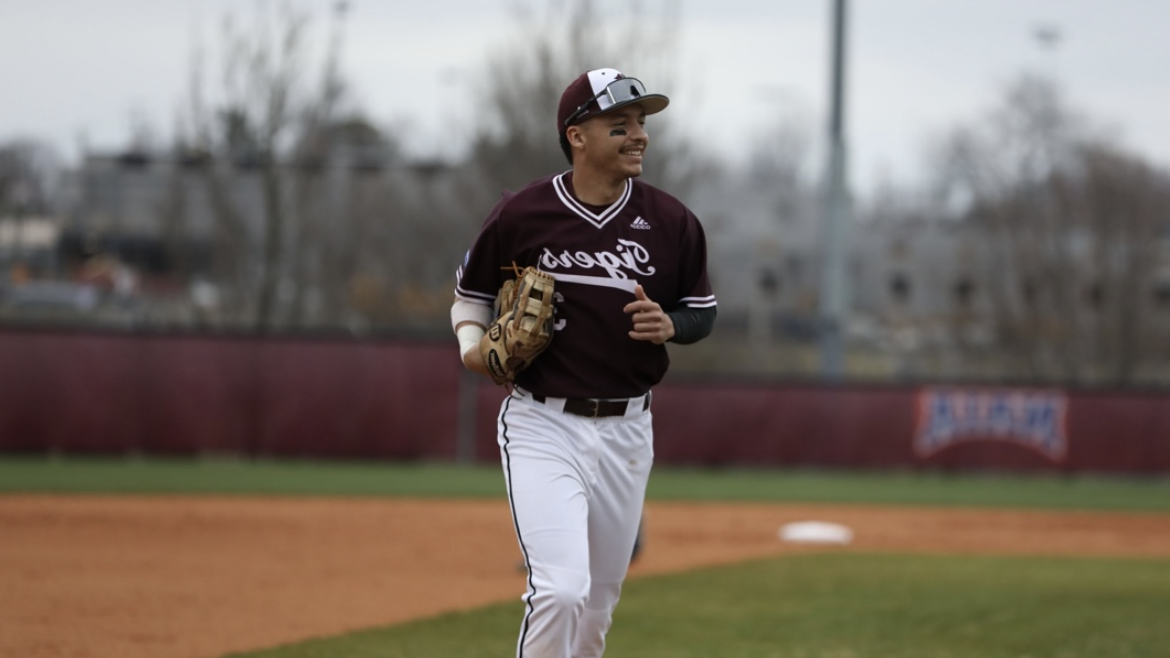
337	172
264	139
516	137
1072	225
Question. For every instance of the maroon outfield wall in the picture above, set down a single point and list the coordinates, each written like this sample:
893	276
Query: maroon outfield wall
175	394
170	394
928	427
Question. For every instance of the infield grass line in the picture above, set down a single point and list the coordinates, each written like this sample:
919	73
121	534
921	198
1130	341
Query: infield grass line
235	476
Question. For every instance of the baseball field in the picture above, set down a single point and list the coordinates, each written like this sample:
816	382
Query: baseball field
205	558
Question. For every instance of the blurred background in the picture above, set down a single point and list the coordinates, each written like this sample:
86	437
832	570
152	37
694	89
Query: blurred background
970	192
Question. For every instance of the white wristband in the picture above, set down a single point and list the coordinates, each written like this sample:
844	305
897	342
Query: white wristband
469	336
464	311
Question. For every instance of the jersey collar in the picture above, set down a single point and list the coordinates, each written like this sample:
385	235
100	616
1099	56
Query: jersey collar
597	219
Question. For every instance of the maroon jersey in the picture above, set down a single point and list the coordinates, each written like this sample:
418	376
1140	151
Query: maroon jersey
597	255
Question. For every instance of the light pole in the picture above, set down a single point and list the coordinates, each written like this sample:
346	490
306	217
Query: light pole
836	212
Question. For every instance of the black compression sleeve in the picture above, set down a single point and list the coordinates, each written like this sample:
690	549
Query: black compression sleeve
692	324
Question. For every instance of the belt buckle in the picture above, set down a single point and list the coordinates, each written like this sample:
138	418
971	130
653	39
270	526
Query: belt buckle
596	409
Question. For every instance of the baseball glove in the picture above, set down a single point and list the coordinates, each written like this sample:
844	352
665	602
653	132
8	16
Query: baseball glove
523	327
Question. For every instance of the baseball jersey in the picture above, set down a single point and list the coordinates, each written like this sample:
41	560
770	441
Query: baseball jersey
597	255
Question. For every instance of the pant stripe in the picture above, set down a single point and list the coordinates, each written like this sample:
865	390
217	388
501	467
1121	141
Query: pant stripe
516	522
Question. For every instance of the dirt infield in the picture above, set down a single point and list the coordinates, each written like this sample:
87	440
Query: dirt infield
196	577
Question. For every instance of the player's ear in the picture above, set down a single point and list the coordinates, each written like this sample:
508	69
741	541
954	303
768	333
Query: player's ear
576	136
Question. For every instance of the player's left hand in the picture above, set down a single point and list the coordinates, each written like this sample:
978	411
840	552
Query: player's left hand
650	321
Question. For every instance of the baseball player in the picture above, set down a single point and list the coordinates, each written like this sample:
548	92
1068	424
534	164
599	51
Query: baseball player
630	268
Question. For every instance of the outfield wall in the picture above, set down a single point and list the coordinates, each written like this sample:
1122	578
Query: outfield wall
84	393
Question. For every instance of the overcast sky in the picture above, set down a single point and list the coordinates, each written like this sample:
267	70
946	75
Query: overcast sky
87	70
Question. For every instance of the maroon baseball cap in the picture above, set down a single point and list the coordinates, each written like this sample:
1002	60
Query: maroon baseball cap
601	90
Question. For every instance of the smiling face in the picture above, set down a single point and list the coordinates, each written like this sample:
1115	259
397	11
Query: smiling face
613	143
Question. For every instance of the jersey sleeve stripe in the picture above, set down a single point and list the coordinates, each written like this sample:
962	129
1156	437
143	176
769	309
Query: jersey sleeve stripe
473	296
470	295
698	302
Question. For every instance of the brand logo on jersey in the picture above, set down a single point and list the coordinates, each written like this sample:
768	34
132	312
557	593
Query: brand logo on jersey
1030	418
628	258
641	224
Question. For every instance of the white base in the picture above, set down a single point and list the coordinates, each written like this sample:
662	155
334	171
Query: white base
815	532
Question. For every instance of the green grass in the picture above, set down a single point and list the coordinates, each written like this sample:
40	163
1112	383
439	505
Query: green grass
245	477
907	488
836	606
307	478
840	605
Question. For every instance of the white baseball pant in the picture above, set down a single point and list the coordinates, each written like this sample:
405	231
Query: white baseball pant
576	487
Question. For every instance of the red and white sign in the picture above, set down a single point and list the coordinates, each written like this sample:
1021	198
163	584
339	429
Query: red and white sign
1032	418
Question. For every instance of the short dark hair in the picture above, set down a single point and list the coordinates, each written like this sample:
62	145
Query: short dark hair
566	149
